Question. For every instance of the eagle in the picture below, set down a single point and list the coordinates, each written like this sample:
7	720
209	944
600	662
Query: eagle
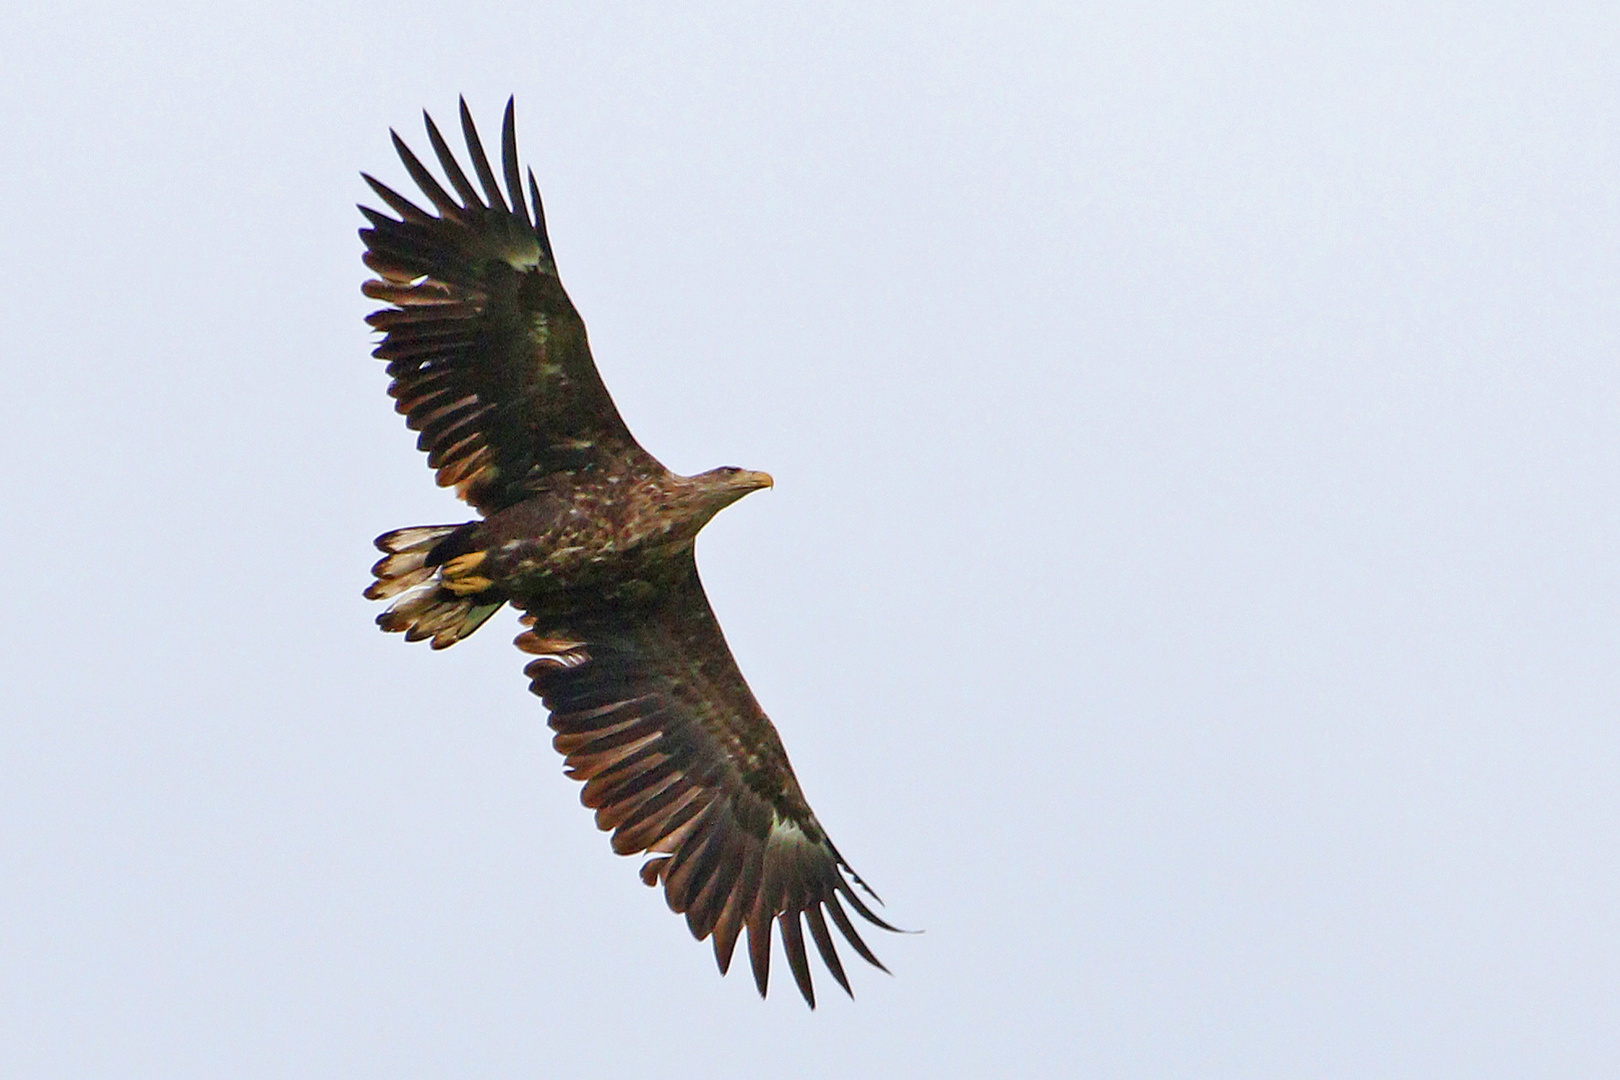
591	539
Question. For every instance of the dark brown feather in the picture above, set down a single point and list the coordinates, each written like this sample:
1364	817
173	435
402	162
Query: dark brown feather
824	945
622	783
705	910
475	150
793	944
509	161
396	202
440	198
738	904
759	946
687	880
848	930
659	827
691	865
452	168
630	810
539	214
608	747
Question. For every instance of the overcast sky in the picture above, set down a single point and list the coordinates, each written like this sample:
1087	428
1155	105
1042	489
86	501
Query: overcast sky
1190	594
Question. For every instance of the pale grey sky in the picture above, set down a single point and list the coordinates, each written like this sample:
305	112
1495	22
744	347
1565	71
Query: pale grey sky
1189	594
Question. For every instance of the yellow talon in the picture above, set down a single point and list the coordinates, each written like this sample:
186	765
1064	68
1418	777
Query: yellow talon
466	586
457	574
463	564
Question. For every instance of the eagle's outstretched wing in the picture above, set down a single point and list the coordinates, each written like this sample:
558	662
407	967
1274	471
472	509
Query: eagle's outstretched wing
679	760
488	356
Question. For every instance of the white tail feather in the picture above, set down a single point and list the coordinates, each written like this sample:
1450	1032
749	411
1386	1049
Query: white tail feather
422	607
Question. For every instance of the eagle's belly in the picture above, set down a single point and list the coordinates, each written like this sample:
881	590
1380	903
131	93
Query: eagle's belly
544	552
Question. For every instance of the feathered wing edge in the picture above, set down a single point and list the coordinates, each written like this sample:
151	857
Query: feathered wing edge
662	783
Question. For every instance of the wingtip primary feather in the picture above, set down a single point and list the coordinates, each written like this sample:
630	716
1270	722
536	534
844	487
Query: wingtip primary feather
407	210
825	946
509	161
540	217
759	949
798	962
451	167
847	928
435	192
475	150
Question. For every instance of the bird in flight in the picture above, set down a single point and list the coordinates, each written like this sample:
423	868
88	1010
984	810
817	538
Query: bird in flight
591	538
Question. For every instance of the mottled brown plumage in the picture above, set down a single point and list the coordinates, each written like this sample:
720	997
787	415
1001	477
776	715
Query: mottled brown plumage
589	536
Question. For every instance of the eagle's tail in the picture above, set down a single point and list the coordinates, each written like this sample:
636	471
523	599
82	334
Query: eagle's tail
438	591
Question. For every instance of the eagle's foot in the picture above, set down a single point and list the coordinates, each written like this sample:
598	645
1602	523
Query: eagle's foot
458	575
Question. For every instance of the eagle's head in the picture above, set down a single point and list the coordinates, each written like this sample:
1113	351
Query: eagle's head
729	483
687	503
708	493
